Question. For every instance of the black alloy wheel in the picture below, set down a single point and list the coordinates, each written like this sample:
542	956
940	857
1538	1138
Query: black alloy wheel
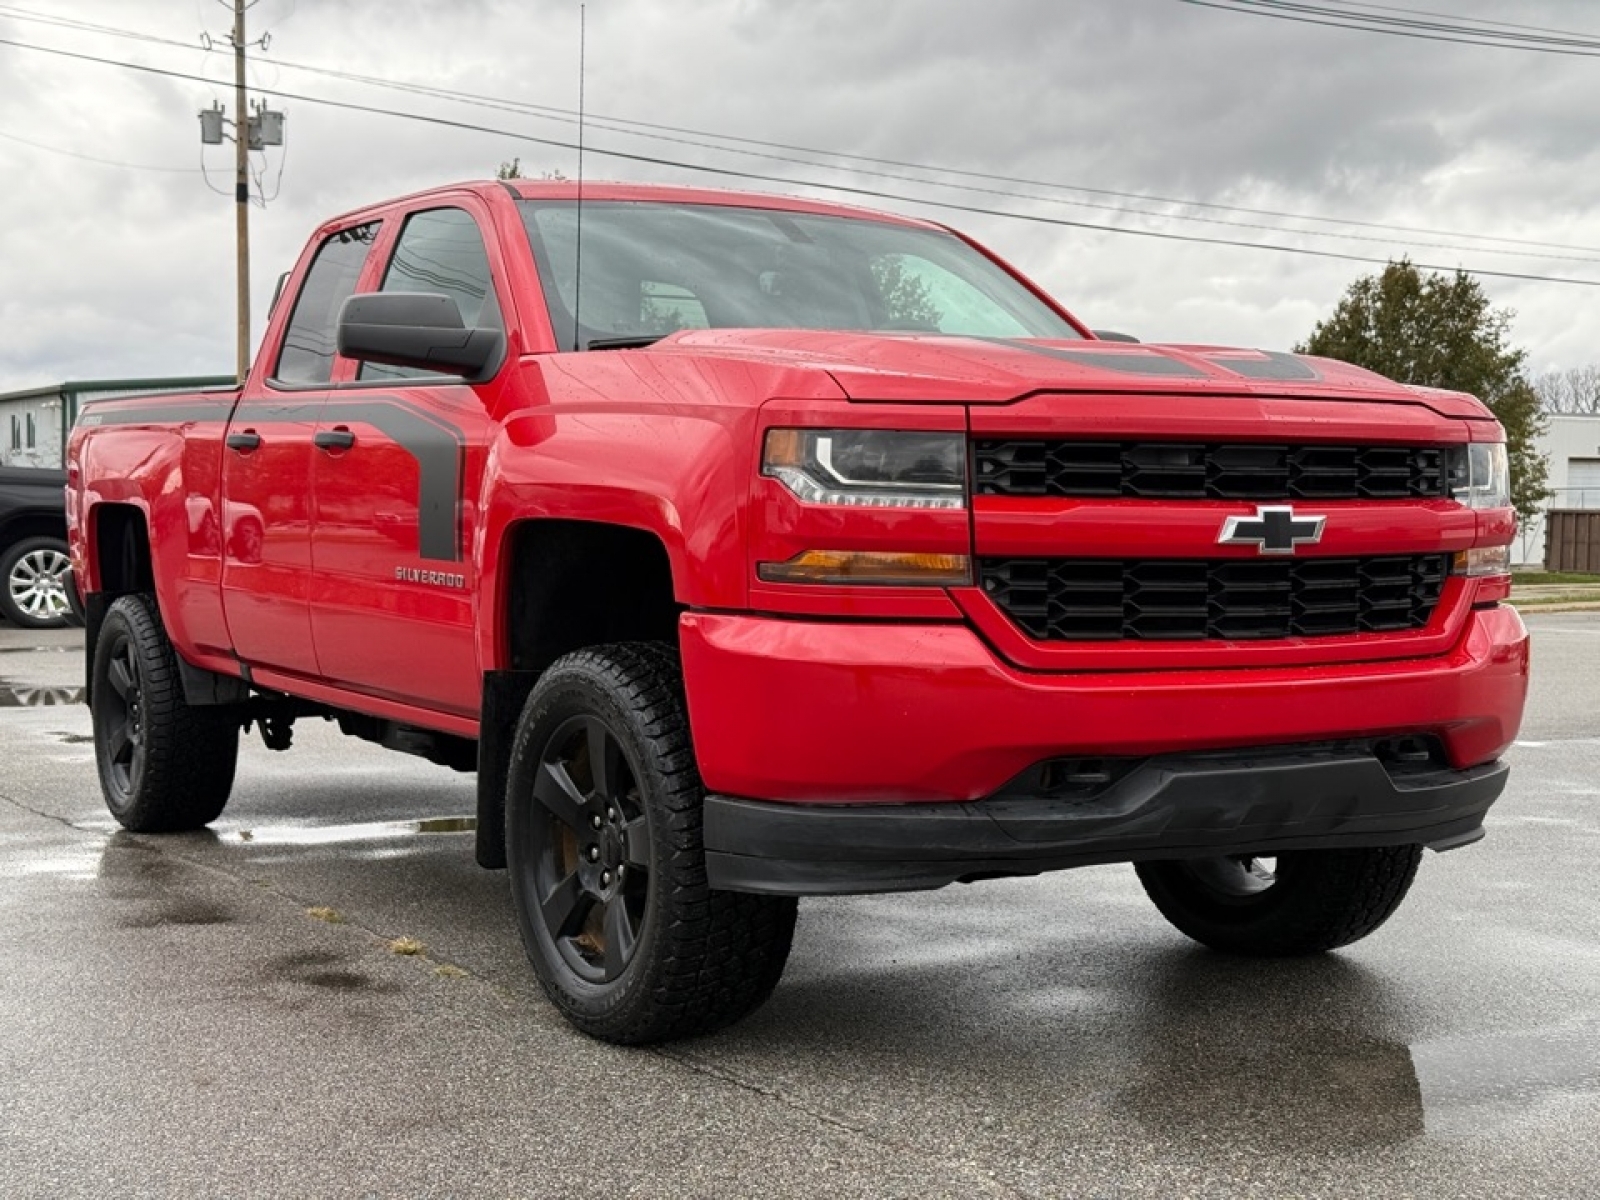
120	712
1298	902
606	861
164	765
593	867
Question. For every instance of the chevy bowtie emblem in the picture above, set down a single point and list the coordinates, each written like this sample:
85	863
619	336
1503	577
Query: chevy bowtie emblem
1274	530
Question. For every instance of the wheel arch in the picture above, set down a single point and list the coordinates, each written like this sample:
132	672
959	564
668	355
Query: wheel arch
119	562
564	584
29	523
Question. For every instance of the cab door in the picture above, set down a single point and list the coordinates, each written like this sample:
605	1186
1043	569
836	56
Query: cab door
267	463
398	457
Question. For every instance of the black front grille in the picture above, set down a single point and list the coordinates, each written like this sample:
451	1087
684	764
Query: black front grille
1167	600
1245	471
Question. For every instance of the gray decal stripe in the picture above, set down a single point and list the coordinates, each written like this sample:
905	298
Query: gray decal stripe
257	408
1144	362
1276	366
105	412
439	450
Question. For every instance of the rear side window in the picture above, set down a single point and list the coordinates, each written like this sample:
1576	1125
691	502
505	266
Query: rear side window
441	251
308	344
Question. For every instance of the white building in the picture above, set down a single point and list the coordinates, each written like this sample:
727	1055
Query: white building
1572	446
34	424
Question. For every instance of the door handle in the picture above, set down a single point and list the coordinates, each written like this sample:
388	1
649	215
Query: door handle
338	438
244	442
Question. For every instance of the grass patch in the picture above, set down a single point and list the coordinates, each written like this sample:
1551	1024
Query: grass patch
406	945
1547	578
330	915
446	971
1554	600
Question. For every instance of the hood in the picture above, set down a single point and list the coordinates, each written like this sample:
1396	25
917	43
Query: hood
900	367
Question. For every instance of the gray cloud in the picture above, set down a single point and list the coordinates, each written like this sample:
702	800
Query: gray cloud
107	271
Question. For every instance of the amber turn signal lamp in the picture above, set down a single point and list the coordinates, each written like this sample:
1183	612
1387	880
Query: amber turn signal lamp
870	566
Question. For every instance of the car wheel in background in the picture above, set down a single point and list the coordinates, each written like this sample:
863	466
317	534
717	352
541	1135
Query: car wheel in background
33	583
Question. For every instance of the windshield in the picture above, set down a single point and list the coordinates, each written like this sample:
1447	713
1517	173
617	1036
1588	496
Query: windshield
651	269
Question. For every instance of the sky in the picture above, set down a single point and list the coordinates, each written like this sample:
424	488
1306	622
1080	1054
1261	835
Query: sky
1079	128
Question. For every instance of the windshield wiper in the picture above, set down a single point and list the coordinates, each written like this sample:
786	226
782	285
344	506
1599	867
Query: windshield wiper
637	342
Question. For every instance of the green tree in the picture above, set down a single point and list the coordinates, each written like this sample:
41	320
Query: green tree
1436	330
513	170
905	297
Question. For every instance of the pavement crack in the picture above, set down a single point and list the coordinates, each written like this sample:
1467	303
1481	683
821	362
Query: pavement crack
48	816
965	1167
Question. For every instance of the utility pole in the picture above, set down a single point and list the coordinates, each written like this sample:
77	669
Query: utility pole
251	131
241	187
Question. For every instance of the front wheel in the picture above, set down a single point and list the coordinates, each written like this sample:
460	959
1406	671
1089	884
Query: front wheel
1301	902
164	765
607	867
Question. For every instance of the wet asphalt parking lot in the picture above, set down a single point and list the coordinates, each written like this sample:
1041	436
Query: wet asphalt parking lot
222	1014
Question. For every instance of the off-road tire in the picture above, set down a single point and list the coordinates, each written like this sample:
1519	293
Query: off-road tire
164	766
1317	900
32	561
670	958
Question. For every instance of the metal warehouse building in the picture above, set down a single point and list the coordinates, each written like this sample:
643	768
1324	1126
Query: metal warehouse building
34	423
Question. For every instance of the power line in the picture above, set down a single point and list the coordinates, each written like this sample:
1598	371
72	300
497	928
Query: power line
631	128
872	193
1420	12
24	14
1462	32
106	162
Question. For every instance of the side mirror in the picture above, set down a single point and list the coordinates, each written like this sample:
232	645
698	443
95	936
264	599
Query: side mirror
423	330
1111	335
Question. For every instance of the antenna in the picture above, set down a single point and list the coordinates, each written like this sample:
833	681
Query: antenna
577	262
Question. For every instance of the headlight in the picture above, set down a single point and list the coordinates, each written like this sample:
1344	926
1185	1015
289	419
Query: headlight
869	468
1480	476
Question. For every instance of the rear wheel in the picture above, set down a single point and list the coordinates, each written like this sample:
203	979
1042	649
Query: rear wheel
603	841
164	765
34	583
1302	902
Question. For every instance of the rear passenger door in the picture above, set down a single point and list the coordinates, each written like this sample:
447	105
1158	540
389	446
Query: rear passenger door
266	468
396	474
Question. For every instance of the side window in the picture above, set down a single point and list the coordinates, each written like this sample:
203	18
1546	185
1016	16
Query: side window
440	251
31	433
308	343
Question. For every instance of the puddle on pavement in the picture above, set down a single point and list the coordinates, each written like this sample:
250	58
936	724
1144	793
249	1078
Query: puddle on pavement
38	697
325	971
74	864
328	835
1471	1086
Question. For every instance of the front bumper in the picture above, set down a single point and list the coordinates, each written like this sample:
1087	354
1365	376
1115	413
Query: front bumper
858	756
1313	797
839	712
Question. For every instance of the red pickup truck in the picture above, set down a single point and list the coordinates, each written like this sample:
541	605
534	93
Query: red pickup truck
751	548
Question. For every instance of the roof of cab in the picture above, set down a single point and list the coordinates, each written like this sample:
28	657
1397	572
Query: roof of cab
647	193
